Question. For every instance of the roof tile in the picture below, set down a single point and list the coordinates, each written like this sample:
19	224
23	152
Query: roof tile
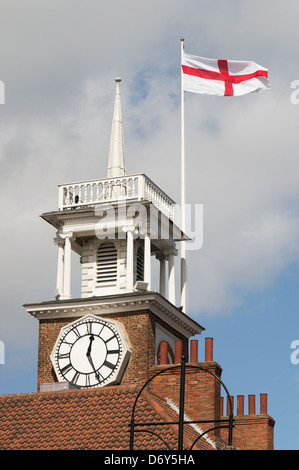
85	419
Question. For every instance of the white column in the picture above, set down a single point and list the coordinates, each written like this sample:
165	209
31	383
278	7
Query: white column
162	284
67	267
162	277
171	279
60	268
130	259
147	261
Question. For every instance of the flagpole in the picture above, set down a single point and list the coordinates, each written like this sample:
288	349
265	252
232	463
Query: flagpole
183	192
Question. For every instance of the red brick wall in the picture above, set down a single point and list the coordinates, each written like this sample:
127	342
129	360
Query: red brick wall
252	432
202	390
140	329
203	402
48	333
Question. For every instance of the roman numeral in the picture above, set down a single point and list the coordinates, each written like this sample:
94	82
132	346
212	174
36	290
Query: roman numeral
87	380
75	330
109	365
113	351
63	356
75	378
66	369
99	376
109	339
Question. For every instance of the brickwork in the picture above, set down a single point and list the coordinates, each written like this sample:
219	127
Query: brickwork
252	432
48	333
140	330
203	401
202	390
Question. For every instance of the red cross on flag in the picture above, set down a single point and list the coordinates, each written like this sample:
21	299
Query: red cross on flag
222	77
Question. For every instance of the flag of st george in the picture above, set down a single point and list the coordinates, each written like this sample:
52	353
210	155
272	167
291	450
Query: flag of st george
222	77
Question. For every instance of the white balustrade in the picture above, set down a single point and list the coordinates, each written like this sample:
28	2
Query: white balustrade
133	187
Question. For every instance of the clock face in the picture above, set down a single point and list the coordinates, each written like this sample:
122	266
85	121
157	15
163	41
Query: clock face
90	352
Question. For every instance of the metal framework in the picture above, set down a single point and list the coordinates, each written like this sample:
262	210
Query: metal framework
223	423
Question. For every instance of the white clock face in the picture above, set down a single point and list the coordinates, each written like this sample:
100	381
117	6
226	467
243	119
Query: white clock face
89	352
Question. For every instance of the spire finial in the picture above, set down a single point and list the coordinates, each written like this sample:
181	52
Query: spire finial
116	163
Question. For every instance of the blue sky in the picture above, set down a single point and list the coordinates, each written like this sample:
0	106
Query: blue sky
254	347
58	62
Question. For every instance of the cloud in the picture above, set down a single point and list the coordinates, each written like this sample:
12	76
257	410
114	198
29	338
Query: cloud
59	64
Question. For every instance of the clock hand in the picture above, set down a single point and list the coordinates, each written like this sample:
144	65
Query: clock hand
89	357
94	369
89	347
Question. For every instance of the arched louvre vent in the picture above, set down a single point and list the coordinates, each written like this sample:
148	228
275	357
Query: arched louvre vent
107	264
140	264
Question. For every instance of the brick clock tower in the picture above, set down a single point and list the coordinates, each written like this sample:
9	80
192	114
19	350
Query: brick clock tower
112	334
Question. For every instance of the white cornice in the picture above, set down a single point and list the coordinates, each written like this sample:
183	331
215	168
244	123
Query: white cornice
117	304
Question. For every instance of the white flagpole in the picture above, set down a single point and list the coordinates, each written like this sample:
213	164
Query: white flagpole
183	192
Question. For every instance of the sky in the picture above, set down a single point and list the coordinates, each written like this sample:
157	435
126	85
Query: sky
58	62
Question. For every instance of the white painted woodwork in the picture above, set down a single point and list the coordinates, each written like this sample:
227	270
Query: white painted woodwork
147	261
130	259
66	294
162	280
126	188
60	267
171	279
116	161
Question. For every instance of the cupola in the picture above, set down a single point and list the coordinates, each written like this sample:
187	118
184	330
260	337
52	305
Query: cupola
117	225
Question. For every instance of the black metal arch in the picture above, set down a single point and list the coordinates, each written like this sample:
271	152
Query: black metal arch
181	422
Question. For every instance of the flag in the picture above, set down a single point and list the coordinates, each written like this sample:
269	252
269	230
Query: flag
222	77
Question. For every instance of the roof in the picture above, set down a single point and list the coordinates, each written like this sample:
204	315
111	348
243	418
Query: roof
94	419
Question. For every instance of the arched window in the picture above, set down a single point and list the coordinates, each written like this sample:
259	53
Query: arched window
106	265
140	264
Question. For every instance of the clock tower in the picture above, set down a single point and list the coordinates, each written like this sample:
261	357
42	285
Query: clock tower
118	226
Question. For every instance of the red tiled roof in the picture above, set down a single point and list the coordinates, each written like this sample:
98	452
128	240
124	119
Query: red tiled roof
96	419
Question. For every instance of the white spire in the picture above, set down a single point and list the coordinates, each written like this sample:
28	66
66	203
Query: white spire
116	163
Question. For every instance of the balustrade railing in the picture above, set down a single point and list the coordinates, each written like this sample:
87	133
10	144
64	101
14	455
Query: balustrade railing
132	187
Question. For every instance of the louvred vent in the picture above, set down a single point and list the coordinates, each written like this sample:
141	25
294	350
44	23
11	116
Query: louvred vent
107	264
140	265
